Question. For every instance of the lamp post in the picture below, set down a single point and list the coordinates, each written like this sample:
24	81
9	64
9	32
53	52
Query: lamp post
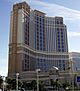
56	68
3	77
72	72
37	70
17	74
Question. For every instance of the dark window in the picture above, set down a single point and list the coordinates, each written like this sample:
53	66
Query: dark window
58	42
61	22
37	43
58	36
59	39
38	47
58	46
62	50
57	29
40	41
58	32
59	50
41	45
57	22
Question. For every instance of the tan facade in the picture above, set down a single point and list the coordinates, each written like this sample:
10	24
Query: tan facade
14	57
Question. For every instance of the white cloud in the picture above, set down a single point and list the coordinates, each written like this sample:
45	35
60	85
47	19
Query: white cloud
3	66
3	72
73	34
53	9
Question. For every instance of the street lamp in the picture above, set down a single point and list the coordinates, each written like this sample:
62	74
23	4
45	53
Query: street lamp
72	71
37	70
56	68
17	74
3	77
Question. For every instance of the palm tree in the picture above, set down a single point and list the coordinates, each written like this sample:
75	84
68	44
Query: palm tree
24	85
33	84
56	84
27	85
11	83
8	81
42	86
66	85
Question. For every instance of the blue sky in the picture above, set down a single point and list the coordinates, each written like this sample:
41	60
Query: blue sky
68	9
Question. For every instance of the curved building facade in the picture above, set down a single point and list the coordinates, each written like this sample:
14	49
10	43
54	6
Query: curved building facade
36	41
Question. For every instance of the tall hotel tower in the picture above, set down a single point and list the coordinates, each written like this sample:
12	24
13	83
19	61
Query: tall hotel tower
36	41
